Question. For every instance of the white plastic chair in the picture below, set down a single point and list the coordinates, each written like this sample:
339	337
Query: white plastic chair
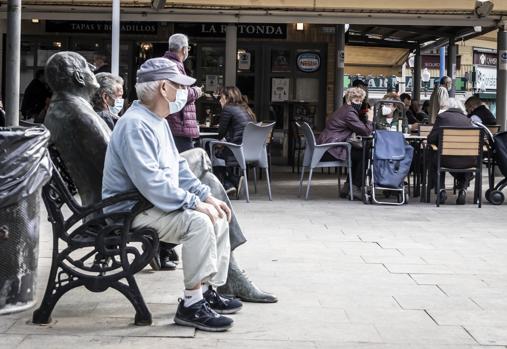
252	152
313	156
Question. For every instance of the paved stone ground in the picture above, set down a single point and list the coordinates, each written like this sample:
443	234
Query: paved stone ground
348	275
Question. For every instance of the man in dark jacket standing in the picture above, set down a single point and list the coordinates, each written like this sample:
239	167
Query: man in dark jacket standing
452	117
183	124
37	93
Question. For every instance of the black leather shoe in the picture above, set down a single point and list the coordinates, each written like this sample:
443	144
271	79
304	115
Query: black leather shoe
171	254
167	264
462	197
238	285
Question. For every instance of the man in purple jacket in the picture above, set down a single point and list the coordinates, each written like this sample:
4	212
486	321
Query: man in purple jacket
183	124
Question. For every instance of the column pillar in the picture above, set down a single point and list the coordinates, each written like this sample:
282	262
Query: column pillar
416	95
340	65
442	62
115	38
12	62
231	49
451	65
501	79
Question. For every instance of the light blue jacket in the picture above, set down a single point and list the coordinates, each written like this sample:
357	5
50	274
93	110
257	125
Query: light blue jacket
142	155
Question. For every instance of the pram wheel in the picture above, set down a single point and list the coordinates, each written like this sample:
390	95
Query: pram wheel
496	197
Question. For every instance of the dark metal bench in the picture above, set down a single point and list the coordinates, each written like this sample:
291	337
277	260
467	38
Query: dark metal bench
94	249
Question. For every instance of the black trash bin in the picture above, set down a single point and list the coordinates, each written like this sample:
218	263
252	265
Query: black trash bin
24	168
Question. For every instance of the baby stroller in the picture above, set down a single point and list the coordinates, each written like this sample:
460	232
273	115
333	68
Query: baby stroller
390	159
494	194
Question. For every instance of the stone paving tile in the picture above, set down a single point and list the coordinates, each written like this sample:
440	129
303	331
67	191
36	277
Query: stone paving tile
341	332
480	318
449	279
442	302
488	335
69	341
264	344
393	259
335	345
417	268
436	335
7	321
102	327
176	343
8	341
493	301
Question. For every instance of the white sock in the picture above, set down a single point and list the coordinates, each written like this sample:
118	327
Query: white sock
205	287
191	297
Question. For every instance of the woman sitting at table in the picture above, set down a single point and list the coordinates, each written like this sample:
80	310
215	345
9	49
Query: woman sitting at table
236	114
339	128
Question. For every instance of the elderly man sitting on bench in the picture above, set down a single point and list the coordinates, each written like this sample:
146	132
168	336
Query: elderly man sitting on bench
142	155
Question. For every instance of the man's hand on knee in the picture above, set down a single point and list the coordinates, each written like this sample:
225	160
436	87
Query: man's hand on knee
221	207
208	210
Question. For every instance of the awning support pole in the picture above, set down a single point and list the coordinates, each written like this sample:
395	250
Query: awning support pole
417	75
451	65
13	62
501	81
115	39
340	65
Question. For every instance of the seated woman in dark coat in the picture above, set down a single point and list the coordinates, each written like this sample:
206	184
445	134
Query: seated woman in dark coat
236	114
339	128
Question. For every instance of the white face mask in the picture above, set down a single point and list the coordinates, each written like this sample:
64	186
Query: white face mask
386	110
180	102
117	107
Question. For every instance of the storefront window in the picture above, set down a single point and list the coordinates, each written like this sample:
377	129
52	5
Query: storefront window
280	61
307	89
211	67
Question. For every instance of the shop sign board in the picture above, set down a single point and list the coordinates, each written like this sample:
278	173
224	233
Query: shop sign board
96	27
485	78
308	62
460	84
433	61
245	30
375	83
502	65
485	58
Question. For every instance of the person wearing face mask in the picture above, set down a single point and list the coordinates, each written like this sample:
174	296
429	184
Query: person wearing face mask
183	121
108	100
389	118
142	155
339	128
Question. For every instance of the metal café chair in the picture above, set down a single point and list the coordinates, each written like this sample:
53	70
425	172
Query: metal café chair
251	152
313	156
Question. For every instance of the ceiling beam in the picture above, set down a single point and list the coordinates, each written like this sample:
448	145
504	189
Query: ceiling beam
250	16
